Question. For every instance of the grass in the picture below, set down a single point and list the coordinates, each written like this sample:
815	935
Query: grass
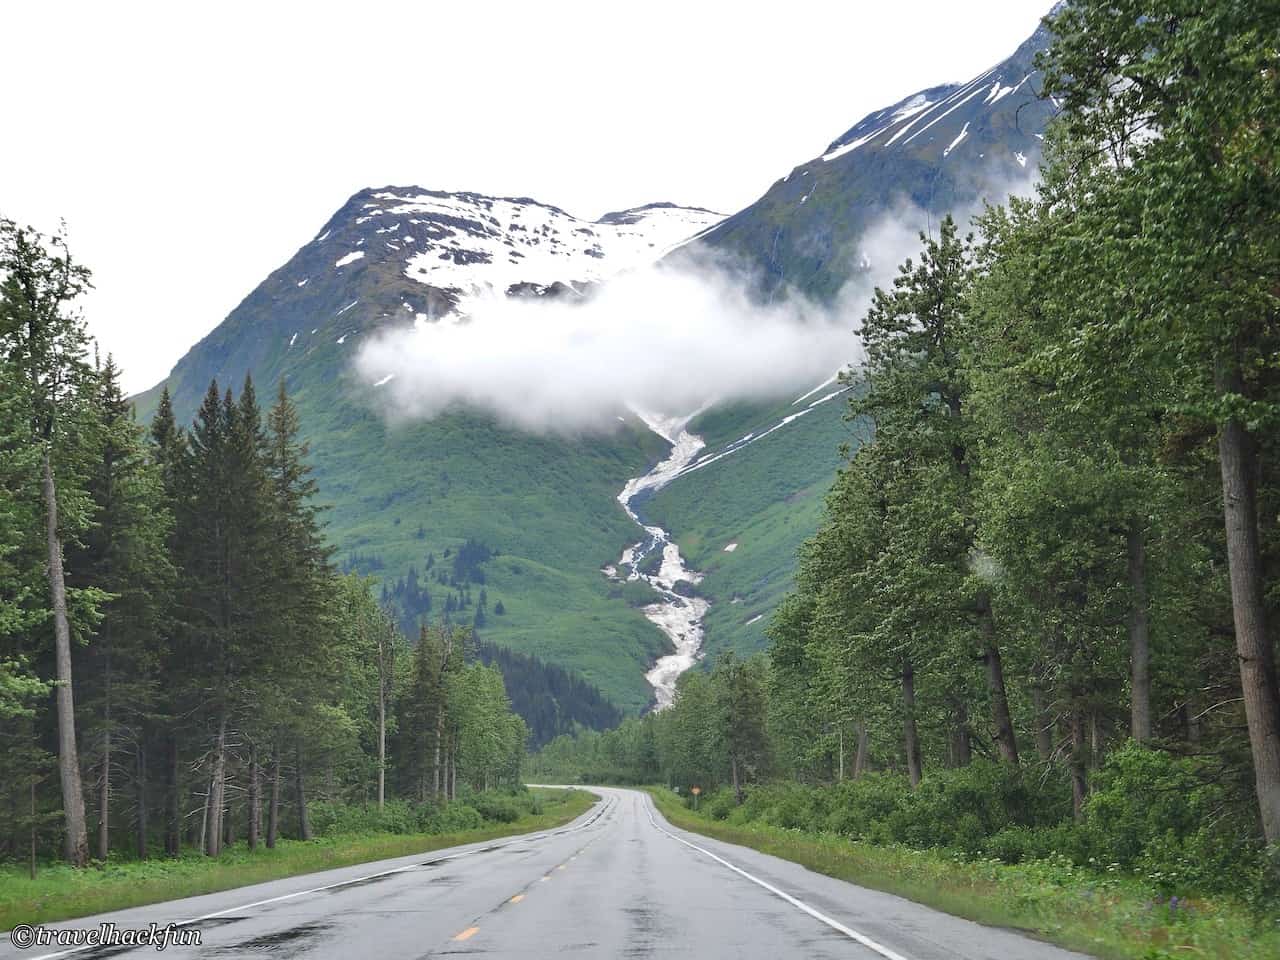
1106	915
62	893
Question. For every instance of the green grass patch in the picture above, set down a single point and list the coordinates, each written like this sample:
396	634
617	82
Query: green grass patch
766	498
62	893
1108	915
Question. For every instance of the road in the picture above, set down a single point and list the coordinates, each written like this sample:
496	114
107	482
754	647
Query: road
618	882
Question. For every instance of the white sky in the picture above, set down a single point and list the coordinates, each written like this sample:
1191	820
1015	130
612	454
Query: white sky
193	148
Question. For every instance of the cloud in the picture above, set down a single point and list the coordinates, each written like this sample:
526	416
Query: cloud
665	339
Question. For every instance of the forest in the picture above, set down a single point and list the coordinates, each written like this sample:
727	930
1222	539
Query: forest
1039	617
182	667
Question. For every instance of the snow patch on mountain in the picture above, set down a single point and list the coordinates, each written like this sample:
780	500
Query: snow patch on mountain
477	245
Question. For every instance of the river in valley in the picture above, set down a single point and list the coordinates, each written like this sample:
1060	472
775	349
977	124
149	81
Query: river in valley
678	616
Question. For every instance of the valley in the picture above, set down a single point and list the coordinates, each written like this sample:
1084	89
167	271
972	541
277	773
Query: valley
726	496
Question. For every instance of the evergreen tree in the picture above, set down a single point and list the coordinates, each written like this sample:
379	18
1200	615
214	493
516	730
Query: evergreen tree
44	348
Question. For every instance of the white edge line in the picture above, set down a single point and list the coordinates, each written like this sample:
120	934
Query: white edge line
822	917
330	886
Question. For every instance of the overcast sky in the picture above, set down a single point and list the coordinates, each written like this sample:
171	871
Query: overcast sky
193	148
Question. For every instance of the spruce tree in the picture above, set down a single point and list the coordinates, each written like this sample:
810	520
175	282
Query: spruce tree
44	344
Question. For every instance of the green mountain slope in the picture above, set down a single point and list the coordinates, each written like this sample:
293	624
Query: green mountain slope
400	492
815	231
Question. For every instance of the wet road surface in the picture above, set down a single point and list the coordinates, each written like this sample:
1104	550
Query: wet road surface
619	881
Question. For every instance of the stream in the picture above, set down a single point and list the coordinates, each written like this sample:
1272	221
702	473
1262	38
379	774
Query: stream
677	616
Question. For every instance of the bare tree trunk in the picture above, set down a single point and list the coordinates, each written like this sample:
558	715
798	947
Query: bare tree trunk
382	731
1238	460
453	773
910	734
304	821
1006	740
217	784
228	823
75	840
1044	723
1191	719
961	744
104	797
435	765
33	828
255	801
104	777
204	822
1139	638
860	759
273	808
173	803
1079	765
140	781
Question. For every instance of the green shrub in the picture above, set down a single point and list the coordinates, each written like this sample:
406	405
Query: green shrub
719	805
499	807
455	817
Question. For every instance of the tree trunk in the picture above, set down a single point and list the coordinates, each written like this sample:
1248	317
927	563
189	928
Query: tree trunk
204	823
304	821
1096	739
255	803
33	828
141	801
1237	457
228	825
910	734
273	808
1079	765
1139	638
217	784
1006	740
173	802
1044	723
737	787
75	840
382	731
435	764
860	760
104	777
104	798
961	743
453	775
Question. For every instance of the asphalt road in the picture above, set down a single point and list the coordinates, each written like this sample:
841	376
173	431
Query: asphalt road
618	882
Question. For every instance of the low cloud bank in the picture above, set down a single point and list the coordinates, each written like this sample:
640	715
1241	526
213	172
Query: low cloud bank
665	339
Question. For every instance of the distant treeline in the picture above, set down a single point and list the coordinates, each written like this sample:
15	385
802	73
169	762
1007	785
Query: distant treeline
551	700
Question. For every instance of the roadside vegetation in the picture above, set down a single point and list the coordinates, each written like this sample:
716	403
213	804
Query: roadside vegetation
1032	645
1103	912
345	836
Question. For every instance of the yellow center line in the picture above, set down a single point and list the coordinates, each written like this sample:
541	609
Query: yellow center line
517	898
561	867
468	933
546	878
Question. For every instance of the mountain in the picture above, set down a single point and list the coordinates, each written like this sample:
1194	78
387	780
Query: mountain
400	255
456	509
759	483
410	498
937	150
